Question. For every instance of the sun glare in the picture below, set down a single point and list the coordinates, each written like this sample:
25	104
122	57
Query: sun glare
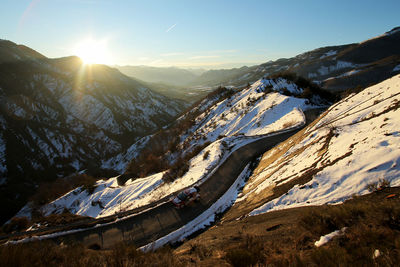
93	51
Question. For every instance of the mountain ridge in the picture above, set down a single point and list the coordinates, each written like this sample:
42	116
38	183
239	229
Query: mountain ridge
336	68
59	116
171	75
327	65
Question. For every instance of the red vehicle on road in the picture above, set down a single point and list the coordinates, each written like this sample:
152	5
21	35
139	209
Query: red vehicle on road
186	197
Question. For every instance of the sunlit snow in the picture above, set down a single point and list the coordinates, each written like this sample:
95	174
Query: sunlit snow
364	148
246	116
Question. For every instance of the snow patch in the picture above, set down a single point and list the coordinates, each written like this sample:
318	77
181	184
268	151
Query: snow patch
326	238
364	147
328	54
246	116
325	70
206	218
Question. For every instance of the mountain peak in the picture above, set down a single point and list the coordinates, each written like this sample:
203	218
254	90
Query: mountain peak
11	52
394	30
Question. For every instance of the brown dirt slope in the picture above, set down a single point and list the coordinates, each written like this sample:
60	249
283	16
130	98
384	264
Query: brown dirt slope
287	237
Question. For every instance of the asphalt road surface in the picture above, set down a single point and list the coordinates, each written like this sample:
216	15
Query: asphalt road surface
157	222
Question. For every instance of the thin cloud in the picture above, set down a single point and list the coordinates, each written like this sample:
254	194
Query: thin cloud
170	28
226	51
172	54
203	57
28	10
156	62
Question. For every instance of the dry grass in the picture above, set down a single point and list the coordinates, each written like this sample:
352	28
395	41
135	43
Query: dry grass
46	253
49	191
273	159
286	238
19	224
281	238
289	124
46	193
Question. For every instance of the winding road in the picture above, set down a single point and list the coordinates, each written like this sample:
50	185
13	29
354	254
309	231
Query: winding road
162	217
155	223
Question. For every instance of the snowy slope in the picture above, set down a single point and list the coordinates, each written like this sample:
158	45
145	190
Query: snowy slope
110	198
119	161
68	112
257	110
60	116
355	144
248	112
235	121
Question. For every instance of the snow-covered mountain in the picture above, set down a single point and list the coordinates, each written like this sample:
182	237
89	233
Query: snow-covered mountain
222	126
350	149
229	112
60	116
335	68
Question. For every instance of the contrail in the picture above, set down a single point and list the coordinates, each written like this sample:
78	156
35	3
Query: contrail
28	10
170	28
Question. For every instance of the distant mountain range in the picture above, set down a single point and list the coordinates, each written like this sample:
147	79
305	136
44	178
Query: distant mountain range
335	68
59	116
170	75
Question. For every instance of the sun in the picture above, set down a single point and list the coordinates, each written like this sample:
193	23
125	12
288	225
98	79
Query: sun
93	51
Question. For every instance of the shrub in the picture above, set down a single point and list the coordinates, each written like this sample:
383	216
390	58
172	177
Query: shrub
241	257
205	156
224	144
90	187
381	184
307	93
288	124
176	171
332	218
202	251
47	192
309	88
46	253
60	219
147	163
16	224
123	178
286	92
350	91
181	165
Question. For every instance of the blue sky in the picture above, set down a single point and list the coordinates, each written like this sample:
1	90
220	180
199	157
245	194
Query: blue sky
189	33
